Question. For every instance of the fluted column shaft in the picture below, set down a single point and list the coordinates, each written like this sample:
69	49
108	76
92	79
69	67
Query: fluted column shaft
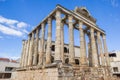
71	40
58	37
83	57
29	42
31	50
97	49
42	44
62	43
100	49
22	56
49	39
93	48
25	53
106	51
36	47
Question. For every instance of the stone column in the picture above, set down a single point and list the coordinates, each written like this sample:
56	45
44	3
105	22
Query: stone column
89	52
49	39
22	55
97	49
31	51
58	37
71	40
93	48
29	47
25	53
83	57
100	49
42	44
106	51
62	43
36	47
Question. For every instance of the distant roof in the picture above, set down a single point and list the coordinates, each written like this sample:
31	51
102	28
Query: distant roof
8	60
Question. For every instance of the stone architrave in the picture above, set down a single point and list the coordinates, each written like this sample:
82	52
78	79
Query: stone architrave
71	40
49	40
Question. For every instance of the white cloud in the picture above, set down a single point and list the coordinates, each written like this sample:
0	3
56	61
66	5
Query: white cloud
10	31
13	27
25	31
7	21
22	25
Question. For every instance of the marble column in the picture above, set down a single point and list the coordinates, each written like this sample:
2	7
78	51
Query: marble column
62	42
93	48
27	51
36	47
71	40
106	51
31	51
49	40
100	49
83	57
29	47
89	51
25	56
58	37
41	55
22	55
97	49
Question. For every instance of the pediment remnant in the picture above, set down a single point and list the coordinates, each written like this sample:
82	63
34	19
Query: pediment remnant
83	11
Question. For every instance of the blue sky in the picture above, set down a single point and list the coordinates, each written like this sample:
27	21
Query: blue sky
19	17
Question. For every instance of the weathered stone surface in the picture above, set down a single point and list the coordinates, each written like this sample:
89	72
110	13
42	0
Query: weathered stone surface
53	66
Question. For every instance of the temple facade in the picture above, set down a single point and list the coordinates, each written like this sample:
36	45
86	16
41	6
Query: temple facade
44	59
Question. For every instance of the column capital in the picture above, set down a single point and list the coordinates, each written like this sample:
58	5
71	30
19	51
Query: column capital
70	18
58	13
80	24
29	36
104	36
43	24
98	33
37	31
92	29
49	20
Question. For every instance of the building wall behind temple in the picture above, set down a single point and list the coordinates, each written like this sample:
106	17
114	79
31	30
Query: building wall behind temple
66	46
115	62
